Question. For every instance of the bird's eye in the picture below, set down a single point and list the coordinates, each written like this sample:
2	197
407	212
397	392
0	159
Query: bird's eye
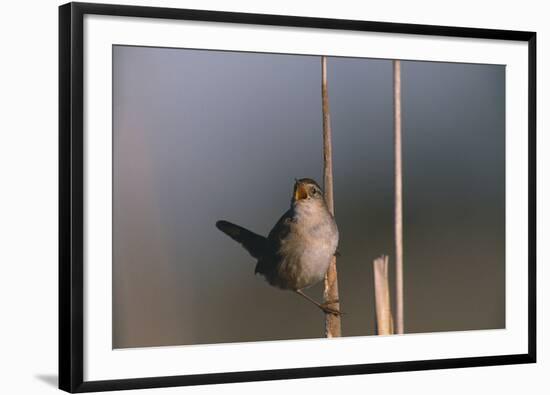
313	191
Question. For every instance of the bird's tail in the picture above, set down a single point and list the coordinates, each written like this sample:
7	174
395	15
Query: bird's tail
252	242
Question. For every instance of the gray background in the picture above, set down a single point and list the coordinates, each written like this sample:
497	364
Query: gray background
206	135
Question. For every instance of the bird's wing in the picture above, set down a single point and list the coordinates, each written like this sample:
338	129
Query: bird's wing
255	244
282	228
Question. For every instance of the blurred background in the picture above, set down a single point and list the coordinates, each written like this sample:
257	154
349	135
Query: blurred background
207	135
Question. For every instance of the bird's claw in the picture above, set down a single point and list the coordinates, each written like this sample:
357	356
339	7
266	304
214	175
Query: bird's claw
329	310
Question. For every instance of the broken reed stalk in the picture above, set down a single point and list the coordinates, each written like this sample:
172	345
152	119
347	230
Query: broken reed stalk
332	322
384	319
398	199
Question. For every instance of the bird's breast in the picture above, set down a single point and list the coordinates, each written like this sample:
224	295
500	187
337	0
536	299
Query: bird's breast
307	253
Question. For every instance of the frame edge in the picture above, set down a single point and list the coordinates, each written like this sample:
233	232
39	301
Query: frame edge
532	196
70	265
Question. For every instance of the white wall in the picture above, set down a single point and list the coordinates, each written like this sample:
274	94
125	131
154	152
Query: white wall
28	199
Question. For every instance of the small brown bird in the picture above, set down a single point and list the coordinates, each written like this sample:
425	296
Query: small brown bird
297	252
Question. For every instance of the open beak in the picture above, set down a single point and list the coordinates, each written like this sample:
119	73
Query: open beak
300	192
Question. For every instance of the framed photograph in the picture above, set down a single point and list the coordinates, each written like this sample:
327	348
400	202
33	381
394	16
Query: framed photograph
251	197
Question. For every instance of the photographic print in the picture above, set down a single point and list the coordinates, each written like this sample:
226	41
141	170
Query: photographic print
222	223
249	197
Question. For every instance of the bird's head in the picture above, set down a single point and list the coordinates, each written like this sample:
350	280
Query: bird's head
307	189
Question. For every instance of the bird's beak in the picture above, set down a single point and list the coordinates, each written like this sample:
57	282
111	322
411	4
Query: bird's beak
300	192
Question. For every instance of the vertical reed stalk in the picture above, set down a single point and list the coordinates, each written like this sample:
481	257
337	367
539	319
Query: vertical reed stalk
384	320
398	198
330	294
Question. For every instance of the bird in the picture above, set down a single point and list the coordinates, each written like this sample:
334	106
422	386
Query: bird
298	250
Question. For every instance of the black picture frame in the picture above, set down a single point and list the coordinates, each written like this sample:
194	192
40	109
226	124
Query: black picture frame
71	204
